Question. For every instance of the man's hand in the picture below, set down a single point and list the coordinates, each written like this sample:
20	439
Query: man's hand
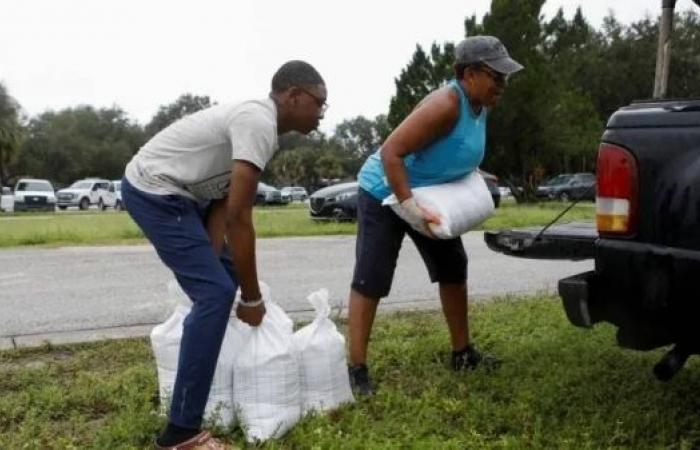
252	315
417	216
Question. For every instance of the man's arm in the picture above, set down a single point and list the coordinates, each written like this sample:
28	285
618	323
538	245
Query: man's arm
241	237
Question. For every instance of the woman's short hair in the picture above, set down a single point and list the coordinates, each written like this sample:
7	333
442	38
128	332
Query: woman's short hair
461	68
295	73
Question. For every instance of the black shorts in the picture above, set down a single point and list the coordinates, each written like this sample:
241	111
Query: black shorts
380	233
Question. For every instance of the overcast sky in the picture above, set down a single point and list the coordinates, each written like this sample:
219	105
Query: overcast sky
140	54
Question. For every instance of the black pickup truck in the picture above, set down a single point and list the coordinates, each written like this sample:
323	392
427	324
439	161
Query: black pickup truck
646	239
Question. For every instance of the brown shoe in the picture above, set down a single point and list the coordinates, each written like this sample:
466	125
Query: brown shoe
202	441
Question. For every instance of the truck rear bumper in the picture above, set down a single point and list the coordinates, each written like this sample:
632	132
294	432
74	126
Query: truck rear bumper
657	276
649	291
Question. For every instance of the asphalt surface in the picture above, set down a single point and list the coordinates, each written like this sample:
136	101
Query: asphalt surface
74	294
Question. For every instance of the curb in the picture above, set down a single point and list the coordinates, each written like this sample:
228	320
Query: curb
144	330
74	337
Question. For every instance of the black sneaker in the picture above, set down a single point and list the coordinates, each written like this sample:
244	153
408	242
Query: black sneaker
360	381
470	358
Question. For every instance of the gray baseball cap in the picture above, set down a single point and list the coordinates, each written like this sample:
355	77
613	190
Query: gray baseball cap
487	50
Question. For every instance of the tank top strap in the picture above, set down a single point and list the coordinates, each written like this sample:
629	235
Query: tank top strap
465	107
457	86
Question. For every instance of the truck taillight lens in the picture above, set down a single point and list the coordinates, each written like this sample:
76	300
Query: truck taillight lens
617	191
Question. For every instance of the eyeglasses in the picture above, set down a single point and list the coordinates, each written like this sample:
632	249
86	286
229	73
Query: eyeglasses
501	79
321	102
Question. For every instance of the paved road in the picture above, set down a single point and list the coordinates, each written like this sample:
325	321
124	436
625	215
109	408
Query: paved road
82	293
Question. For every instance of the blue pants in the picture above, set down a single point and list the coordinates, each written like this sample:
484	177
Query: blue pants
176	227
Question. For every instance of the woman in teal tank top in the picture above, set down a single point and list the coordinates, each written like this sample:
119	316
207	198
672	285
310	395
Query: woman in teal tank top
443	139
447	158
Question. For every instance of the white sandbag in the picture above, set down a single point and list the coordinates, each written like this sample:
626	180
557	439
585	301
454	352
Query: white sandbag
323	370
165	341
461	205
266	376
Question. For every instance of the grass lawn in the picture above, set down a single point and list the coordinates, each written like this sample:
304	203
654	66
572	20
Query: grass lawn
559	387
108	228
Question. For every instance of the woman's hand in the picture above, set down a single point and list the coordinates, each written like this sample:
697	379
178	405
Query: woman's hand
417	216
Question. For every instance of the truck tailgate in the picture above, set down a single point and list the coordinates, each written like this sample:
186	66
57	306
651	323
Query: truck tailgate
573	241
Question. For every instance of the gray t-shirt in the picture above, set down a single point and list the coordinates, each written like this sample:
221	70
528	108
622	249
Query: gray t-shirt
193	156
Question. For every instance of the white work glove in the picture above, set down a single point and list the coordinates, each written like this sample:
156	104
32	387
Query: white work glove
416	216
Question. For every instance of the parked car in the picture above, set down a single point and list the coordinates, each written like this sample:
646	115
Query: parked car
294	193
568	186
90	191
34	195
269	195
119	204
492	183
337	202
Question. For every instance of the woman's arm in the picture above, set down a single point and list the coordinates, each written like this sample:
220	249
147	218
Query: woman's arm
433	118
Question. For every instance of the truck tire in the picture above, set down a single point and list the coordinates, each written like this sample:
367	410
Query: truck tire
84	203
101	205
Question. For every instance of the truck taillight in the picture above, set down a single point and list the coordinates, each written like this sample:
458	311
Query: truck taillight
617	191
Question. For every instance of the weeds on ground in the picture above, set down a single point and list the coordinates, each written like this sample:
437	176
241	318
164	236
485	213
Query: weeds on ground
559	387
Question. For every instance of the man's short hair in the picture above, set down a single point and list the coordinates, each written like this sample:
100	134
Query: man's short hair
295	73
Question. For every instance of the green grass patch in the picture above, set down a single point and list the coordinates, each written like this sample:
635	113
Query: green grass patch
111	228
512	215
294	220
71	228
559	387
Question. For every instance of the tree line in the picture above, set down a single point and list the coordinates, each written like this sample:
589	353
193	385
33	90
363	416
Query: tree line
548	122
